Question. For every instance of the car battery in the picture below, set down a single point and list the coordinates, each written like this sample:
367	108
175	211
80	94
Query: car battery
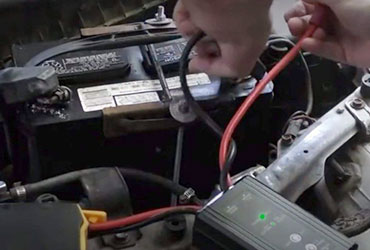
119	115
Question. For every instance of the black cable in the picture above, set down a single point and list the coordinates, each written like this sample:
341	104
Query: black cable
202	115
47	185
92	43
152	178
154	219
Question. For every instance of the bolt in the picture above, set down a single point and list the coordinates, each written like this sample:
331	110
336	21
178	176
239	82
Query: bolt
160	16
287	139
305	124
365	86
121	237
3	187
340	110
184	108
357	103
366	79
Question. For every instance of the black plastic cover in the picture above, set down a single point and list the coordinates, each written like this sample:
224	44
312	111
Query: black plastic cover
36	226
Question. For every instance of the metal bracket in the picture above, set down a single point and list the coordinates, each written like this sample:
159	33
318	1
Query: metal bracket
129	119
361	112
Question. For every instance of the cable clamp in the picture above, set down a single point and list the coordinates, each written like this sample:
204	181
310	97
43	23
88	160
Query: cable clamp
187	196
18	192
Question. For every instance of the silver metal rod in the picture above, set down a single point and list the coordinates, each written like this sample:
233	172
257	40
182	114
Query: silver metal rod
160	74
178	160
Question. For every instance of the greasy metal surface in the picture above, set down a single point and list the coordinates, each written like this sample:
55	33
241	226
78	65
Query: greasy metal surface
352	194
303	164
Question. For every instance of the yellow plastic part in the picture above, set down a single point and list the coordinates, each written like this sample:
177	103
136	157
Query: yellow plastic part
89	216
95	216
83	231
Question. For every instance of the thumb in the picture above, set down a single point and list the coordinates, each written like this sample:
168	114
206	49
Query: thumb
329	3
183	20
316	1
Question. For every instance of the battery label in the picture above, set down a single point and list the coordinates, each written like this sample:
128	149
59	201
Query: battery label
137	98
130	93
83	64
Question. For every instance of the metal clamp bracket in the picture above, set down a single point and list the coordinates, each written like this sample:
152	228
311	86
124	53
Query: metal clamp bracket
361	112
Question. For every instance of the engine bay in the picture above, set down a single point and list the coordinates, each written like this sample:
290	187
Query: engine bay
101	148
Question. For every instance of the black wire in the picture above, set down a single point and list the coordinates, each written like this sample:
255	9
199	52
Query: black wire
48	185
202	115
154	219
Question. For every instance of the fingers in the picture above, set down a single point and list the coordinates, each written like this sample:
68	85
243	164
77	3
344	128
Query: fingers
298	17
183	22
207	47
328	49
233	61
298	25
299	9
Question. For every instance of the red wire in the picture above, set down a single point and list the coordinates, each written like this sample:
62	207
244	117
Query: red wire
315	22
225	143
134	219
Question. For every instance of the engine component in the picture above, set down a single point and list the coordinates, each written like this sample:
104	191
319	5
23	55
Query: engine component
37	226
252	216
353	225
345	178
311	150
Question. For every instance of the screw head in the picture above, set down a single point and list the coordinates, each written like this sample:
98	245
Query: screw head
357	104
184	108
287	139
121	237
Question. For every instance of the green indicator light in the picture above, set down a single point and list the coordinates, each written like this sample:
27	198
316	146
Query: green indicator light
273	224
262	216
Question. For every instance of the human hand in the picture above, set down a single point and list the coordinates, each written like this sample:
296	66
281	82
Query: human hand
236	31
345	35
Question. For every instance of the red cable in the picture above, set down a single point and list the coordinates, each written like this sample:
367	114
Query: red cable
134	219
317	18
